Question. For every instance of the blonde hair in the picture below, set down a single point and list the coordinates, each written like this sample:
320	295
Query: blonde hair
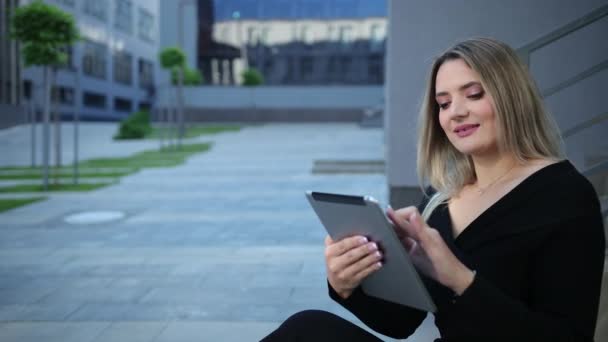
524	126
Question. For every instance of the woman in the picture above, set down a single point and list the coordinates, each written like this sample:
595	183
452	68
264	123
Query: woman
510	244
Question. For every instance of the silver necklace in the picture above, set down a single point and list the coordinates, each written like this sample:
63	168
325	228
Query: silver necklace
481	190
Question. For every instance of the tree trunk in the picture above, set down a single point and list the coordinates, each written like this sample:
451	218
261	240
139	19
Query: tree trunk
180	105
46	130
57	126
32	113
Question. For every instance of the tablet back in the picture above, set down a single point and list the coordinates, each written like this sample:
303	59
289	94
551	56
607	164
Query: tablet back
397	281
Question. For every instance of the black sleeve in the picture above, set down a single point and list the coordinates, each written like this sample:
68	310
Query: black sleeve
385	317
566	274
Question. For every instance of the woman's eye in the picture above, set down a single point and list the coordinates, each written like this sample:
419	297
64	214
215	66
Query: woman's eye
476	96
444	105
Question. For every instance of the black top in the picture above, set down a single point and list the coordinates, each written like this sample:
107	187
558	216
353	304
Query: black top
539	255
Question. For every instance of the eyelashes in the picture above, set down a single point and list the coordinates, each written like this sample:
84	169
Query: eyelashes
475	96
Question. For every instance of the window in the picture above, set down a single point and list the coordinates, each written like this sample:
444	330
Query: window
306	67
145	106
146	73
345	65
67	2
27	89
63	95
252	36
346	34
94	100
145	25
94	59
264	36
122	104
96	8
375	69
376	37
69	61
123	70
123	15
306	35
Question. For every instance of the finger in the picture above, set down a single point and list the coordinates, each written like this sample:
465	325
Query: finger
340	263
409	244
367	271
354	271
400	220
418	225
328	240
345	245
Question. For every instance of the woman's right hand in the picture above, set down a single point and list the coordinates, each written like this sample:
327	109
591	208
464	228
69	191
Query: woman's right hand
349	261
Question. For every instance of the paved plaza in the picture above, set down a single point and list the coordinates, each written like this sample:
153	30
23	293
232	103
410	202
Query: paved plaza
221	248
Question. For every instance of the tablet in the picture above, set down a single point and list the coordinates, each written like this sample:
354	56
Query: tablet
397	280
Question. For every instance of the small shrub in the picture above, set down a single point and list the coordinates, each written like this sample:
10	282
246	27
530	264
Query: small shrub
252	78
136	126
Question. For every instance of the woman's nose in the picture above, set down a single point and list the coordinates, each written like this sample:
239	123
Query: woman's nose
458	109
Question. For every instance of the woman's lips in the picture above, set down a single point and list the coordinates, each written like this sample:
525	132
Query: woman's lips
465	130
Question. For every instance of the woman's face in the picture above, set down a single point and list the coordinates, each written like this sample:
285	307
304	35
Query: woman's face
466	110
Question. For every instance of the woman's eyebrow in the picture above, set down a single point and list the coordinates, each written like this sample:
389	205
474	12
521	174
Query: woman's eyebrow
461	88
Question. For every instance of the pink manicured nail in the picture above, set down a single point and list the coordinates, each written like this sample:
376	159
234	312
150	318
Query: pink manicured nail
372	246
363	239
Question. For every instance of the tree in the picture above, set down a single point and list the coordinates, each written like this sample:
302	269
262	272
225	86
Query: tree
252	78
44	31
192	77
174	59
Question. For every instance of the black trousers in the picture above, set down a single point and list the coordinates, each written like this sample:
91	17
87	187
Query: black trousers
319	326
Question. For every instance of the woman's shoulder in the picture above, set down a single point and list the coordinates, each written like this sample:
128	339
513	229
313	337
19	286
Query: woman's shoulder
561	186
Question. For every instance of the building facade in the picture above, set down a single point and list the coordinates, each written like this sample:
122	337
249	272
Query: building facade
307	51
112	71
10	70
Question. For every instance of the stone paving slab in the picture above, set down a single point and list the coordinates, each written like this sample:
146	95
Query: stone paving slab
51	331
131	332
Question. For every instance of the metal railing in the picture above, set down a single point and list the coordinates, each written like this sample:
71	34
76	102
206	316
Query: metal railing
598	172
525	51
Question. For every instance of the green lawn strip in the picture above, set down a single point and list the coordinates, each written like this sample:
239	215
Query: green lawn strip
8	204
145	159
123	166
52	187
17	170
194	131
66	175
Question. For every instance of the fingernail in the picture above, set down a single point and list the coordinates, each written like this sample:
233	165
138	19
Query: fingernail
377	254
378	264
373	247
389	207
363	239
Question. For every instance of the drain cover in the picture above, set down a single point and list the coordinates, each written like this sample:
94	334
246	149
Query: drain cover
91	217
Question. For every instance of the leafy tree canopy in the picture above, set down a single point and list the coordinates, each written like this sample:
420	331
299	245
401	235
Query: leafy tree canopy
44	31
172	57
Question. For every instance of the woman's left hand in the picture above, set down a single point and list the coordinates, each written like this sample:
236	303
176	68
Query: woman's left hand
428	250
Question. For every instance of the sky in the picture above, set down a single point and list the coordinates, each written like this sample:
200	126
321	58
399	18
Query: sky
292	9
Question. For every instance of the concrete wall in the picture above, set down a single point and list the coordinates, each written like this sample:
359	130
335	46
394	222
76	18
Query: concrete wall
419	30
11	115
335	103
